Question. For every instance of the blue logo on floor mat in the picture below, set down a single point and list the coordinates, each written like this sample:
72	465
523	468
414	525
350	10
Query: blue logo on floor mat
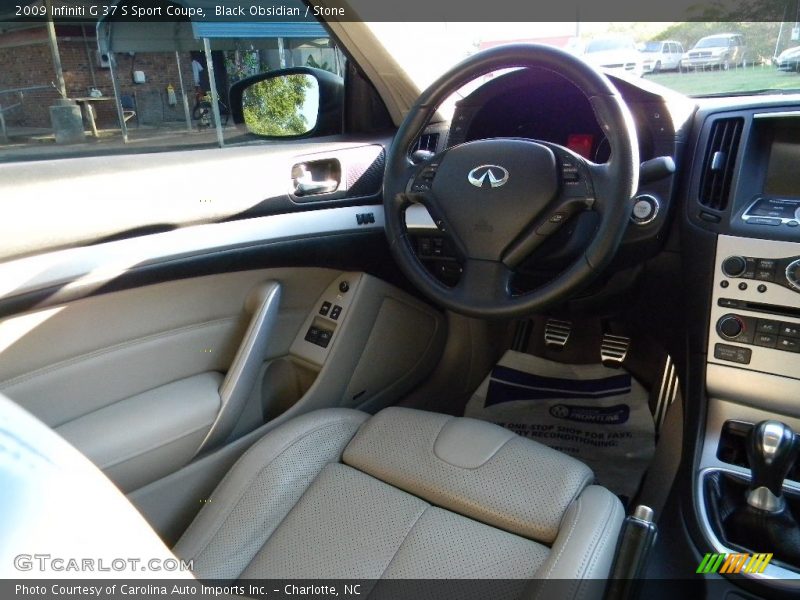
608	415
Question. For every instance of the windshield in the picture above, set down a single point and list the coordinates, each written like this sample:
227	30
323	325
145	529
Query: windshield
739	69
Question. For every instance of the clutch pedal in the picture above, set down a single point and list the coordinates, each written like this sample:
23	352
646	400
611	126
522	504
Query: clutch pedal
556	333
614	349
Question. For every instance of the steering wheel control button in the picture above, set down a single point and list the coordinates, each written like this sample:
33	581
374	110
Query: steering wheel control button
553	222
337	310
569	172
344	286
645	209
733	353
734	266
325	308
423	182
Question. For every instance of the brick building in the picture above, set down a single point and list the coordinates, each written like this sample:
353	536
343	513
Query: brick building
26	61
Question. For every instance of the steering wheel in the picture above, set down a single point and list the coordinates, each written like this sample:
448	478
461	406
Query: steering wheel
498	199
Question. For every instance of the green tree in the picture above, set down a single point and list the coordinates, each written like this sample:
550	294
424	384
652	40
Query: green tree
275	106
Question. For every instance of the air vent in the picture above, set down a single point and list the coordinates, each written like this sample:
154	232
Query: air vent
427	141
719	161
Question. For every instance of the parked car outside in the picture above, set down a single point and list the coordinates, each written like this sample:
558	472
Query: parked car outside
664	55
617	54
789	60
723	51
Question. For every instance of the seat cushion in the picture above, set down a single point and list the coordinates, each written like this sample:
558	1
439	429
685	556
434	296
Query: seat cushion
404	495
471	467
349	524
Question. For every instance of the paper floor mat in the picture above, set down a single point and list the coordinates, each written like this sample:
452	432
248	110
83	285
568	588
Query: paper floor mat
596	414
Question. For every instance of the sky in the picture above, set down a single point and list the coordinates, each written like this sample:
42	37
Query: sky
440	45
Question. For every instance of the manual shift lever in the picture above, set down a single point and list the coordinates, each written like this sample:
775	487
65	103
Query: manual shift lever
771	450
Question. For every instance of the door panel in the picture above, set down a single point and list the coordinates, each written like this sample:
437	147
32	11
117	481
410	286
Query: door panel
72	359
154	433
132	378
63	203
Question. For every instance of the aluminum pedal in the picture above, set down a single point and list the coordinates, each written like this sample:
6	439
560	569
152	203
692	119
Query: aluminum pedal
556	333
614	349
667	392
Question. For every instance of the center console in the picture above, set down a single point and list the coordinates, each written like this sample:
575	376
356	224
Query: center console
747	486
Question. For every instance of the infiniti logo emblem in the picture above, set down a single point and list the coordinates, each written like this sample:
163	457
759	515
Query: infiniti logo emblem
495	174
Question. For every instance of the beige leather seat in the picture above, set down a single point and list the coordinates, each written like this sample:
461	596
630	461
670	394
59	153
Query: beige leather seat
403	494
339	494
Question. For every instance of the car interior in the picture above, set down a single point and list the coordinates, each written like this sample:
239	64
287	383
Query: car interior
547	340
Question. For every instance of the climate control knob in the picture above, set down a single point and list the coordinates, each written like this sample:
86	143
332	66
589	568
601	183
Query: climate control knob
734	266
730	326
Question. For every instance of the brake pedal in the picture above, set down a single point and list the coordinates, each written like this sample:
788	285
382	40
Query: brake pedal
556	333
614	349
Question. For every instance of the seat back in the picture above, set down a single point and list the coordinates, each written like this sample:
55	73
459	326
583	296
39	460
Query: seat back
54	501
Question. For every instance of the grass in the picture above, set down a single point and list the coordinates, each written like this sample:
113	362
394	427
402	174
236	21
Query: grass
734	80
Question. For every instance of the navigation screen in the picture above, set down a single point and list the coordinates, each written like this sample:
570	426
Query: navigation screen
783	172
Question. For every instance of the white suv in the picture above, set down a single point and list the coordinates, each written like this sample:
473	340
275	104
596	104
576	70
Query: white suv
662	56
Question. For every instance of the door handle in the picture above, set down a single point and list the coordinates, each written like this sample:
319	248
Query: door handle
242	374
307	186
316	177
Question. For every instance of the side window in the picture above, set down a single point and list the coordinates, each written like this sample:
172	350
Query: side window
158	86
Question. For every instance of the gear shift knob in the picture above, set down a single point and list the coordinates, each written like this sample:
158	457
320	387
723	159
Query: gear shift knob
771	451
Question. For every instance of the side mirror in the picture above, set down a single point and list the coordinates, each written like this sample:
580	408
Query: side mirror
289	103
